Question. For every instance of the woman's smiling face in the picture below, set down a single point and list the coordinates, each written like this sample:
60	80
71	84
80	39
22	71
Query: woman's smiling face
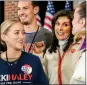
62	28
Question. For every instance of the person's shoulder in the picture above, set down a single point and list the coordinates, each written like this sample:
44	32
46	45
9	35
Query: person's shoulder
75	46
80	45
48	34
42	29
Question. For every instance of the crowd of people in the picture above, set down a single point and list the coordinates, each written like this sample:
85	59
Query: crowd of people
32	54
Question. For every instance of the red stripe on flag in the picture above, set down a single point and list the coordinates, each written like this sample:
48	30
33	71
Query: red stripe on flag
38	20
46	24
47	17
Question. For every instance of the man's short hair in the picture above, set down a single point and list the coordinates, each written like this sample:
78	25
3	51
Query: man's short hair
35	3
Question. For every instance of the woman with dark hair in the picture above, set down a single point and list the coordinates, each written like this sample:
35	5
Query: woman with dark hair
68	23
61	57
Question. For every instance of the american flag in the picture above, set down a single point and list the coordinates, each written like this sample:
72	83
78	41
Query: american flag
38	19
49	15
67	5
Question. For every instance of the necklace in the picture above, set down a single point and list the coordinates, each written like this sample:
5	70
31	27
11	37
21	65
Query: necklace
11	63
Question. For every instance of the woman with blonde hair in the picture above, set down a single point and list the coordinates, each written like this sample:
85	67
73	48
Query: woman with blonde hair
79	30
17	67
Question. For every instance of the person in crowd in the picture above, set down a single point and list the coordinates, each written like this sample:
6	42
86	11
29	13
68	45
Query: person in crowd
62	56
35	34
79	30
17	66
38	39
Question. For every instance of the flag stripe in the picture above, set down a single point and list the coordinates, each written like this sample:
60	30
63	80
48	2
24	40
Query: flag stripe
39	23
48	21
38	20
49	15
38	17
48	25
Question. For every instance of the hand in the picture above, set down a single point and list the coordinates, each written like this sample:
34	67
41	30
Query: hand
39	47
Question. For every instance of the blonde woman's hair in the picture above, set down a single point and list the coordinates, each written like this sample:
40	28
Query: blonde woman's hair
82	14
6	25
4	28
78	36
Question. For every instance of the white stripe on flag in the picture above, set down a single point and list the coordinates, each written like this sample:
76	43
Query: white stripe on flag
48	21
46	27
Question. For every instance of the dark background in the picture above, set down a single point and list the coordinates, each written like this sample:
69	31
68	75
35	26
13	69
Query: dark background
1	11
43	4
